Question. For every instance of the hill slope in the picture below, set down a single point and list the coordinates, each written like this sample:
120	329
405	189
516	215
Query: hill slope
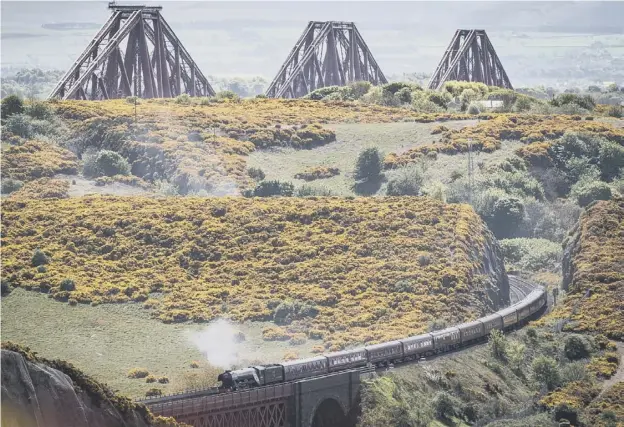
336	269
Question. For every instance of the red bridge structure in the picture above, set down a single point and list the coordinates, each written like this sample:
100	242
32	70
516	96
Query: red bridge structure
324	401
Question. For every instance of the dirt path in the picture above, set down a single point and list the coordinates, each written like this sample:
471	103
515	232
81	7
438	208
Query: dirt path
619	375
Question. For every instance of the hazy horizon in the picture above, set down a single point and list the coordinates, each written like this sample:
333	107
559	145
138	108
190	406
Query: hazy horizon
532	39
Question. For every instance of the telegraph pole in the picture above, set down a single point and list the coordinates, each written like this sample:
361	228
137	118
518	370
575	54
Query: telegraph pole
470	171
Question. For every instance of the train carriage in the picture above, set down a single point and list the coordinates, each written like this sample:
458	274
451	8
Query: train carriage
539	302
417	345
384	352
471	331
303	368
493	321
346	359
446	338
270	374
510	316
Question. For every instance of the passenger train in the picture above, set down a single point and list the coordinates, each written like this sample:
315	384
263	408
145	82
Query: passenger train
384	354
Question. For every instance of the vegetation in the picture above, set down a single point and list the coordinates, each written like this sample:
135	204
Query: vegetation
593	276
319	172
236	257
43	188
35	159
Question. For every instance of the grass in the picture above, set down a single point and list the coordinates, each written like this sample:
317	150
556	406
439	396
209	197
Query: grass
284	163
108	341
336	269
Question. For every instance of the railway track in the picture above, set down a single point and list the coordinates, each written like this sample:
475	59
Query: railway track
518	289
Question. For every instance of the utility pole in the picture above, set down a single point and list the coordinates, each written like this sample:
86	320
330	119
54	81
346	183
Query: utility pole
470	171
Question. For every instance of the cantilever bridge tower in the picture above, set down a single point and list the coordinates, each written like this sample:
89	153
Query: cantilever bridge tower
326	54
135	53
470	57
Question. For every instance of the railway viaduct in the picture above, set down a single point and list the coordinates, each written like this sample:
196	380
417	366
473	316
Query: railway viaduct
324	401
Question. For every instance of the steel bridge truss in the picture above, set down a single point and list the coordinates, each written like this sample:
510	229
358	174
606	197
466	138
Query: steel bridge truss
135	53
266	414
470	57
326	54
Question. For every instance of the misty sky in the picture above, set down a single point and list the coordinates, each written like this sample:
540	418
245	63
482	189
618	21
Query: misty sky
254	38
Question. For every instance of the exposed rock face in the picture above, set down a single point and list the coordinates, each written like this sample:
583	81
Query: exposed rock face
493	268
36	395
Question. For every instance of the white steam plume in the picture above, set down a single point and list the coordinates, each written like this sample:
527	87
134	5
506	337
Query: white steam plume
217	342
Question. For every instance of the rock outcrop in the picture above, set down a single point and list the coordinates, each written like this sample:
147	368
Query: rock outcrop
35	394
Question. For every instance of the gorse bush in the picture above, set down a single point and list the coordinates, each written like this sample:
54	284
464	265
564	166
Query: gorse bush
105	163
271	188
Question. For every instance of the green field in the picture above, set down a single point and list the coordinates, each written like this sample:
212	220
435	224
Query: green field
108	340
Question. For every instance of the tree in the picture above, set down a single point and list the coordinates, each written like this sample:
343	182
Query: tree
369	165
576	348
546	372
498	345
12	104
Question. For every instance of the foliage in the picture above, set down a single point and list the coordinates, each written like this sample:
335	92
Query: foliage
584	101
607	409
35	159
444	405
587	191
318	172
138	373
271	188
39	258
39	110
531	254
503	214
309	191
43	188
256	173
368	166
576	347
342	256
407	182
615	111
546	372
106	163
131	180
604	366
11	105
10	185
498	344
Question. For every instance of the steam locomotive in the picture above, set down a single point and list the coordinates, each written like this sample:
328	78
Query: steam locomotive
392	352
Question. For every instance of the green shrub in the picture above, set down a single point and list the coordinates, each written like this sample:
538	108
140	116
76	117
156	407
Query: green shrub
615	111
67	285
39	110
150	379
163	380
369	165
576	347
153	392
256	173
39	258
587	191
444	405
546	372
473	109
503	213
183	98
228	94
610	160
20	125
10	185
310	191
498	345
531	254
11	105
271	188
407	182
583	101
104	163
574	371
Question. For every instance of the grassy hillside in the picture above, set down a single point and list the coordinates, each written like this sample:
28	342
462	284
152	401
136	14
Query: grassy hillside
594	272
332	268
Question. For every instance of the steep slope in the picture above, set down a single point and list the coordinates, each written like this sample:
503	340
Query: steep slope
344	270
593	271
42	393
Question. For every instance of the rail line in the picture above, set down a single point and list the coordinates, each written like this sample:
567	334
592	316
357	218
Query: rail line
518	290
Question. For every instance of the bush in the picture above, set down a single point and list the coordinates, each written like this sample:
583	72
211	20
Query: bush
298	339
610	160
20	125
39	258
444	406
138	373
10	185
531	254
39	110
11	105
309	191
473	109
574	371
369	165
271	188
615	111
502	213
576	347
587	191
150	379
546	372
68	285
586	101
183	99
194	364
256	173
109	163
498	345
163	380
407	182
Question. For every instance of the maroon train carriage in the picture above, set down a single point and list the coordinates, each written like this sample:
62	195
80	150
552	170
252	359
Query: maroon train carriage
386	352
446	339
471	331
346	359
302	368
418	346
510	317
